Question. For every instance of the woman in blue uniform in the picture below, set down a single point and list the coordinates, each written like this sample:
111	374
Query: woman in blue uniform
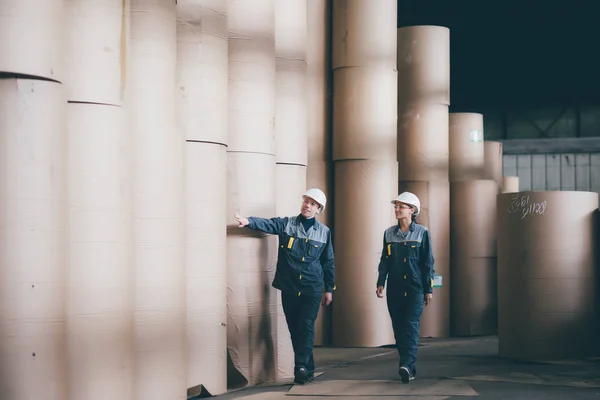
407	265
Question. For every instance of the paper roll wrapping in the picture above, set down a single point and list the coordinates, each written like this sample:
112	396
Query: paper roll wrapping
100	265
473	218
435	215
251	260
424	64
474	296
364	33
364	190
467	155
510	184
159	228
31	38
493	162
202	67
252	80
291	129
291	185
364	114
547	274
94	34
422	142
32	240
317	80
206	267
320	175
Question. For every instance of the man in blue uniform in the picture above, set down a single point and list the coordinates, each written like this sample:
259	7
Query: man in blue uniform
407	264
305	274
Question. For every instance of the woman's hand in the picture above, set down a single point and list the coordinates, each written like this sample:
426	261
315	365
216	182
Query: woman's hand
241	220
380	292
428	298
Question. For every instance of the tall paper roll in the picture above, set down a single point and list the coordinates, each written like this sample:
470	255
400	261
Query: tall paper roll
251	259
252	81
202	70
94	37
100	265
32	240
424	64
364	114
355	42
159	229
467	155
493	162
422	142
31	38
364	189
206	268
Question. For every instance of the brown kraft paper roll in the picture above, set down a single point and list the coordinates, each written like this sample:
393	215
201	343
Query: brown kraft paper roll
363	192
547	276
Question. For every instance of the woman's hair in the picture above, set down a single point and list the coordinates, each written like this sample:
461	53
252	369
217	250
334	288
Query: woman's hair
414	219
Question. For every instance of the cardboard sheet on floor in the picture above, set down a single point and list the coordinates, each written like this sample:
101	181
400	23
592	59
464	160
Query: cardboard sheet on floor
285	396
532	379
424	387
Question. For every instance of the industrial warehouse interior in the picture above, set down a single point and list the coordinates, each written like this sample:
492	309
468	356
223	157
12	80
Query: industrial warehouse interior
135	135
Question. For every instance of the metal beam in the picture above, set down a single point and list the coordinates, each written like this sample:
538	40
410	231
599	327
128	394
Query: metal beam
548	146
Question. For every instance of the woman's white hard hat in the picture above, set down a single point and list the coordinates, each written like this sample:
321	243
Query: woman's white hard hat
318	196
410	199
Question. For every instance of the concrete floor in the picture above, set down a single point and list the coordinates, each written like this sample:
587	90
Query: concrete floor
447	369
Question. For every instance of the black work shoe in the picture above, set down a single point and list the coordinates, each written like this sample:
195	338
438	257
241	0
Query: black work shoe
300	376
405	375
310	378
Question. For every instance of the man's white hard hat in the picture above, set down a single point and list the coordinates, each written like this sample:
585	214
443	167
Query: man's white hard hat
410	199
318	196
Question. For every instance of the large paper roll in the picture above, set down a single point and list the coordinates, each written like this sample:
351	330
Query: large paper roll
206	268
424	64
202	68
100	265
317	80
355	40
435	215
363	192
291	129
473	218
94	51
547	274
252	81
474	296
364	114
31	38
493	162
251	260
159	228
32	240
467	155
422	142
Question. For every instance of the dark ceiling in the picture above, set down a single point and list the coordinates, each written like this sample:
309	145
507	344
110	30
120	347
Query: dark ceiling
505	53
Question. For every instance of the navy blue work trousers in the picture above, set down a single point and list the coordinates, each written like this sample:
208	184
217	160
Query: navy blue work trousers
300	314
405	308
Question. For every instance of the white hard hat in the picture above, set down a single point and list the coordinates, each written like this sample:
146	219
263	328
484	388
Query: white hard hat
318	196
410	199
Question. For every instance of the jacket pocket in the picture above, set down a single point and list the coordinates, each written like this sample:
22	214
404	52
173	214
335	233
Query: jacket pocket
314	249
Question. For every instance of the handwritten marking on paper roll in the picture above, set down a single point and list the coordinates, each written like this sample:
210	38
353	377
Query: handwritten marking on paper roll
524	206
